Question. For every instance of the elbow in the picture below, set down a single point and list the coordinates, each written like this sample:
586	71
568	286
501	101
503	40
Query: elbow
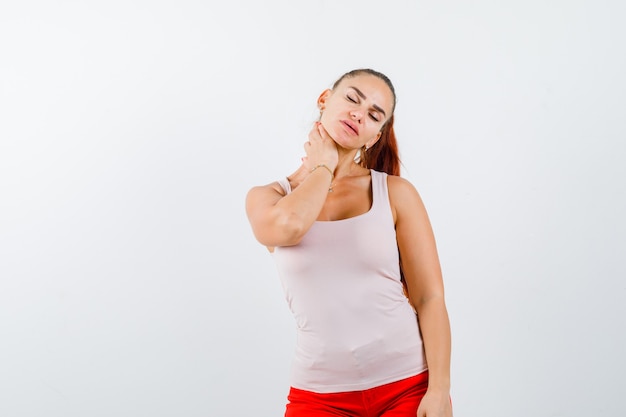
291	229
284	230
435	301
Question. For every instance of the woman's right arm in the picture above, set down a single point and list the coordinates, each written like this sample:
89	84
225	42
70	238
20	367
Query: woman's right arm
282	220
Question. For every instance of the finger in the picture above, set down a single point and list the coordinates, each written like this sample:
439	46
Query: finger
315	129
315	134
324	135
322	130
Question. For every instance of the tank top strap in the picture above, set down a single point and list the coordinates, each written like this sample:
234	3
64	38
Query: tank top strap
380	192
284	184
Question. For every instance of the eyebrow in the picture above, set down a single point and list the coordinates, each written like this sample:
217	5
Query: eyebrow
376	107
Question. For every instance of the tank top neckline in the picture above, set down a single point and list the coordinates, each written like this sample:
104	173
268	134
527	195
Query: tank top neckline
374	182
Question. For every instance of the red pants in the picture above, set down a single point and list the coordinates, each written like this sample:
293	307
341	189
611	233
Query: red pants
397	399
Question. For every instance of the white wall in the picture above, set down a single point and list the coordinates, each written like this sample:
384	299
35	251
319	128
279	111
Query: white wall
130	131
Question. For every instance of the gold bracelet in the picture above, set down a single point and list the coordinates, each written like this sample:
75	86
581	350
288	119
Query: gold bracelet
332	176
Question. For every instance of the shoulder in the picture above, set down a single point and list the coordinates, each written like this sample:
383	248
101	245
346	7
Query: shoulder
271	187
403	196
269	191
401	188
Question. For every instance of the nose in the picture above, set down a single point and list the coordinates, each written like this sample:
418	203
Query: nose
356	115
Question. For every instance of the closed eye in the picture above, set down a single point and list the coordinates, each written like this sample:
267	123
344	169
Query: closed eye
374	116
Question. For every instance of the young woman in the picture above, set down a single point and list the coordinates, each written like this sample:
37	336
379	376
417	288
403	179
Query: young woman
358	262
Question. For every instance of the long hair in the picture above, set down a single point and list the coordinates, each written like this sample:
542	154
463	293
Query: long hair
384	155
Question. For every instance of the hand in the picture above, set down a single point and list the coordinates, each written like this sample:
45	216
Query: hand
435	404
320	149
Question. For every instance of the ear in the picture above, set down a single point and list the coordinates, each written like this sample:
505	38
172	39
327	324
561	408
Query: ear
321	100
373	141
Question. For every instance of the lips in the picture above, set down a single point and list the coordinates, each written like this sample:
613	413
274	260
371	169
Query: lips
351	126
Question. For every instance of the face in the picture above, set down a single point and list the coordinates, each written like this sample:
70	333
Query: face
355	111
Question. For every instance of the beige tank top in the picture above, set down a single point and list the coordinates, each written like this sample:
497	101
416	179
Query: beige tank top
355	327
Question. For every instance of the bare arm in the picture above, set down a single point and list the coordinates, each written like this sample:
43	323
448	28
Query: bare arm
282	220
422	272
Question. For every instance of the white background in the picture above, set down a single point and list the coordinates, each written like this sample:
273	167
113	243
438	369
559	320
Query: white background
130	132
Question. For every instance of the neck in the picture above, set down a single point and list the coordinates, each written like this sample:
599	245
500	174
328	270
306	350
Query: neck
346	164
